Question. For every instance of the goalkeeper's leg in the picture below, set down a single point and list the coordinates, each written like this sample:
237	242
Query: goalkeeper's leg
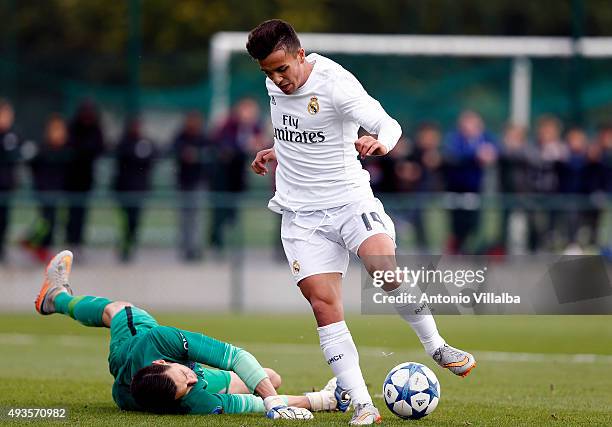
56	296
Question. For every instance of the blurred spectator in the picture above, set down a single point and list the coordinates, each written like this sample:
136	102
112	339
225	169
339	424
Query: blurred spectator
605	141
427	156
550	152
87	144
513	167
50	165
9	157
420	171
468	151
135	155
235	140
596	183
572	179
189	148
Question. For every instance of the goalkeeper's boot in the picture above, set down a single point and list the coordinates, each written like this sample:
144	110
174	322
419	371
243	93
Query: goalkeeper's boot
457	361
57	274
365	414
342	396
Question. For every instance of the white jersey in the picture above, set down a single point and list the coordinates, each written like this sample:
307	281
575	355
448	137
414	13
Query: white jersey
315	129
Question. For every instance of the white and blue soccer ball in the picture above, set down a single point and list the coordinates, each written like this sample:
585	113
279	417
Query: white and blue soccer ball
411	390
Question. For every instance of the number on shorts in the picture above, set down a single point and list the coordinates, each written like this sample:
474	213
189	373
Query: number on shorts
375	217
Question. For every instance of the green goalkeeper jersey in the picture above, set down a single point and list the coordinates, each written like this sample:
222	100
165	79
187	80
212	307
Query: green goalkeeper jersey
137	340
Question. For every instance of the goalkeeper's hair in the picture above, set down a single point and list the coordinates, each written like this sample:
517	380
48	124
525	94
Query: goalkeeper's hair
270	36
154	391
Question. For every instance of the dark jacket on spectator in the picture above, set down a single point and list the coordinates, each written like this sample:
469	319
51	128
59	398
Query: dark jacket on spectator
430	179
572	173
514	166
190	153
10	145
87	143
545	167
50	168
231	145
606	161
135	158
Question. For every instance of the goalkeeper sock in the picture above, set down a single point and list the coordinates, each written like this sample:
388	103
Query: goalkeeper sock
341	354
88	310
421	321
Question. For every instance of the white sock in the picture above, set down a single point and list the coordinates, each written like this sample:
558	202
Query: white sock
423	323
341	354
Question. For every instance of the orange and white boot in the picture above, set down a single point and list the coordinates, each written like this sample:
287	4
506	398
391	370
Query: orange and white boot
457	361
57	274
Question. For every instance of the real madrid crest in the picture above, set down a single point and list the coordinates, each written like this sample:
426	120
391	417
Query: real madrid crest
295	267
313	106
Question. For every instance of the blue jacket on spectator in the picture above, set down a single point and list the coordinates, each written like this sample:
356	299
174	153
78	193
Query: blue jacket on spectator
463	169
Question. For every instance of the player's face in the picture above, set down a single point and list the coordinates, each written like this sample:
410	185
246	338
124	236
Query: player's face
183	377
285	69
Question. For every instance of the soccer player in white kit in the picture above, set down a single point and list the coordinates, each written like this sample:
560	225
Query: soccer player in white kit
325	199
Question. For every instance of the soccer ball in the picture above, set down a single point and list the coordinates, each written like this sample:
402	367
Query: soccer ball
411	390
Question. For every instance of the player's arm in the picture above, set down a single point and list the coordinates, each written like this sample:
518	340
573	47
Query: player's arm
353	102
200	401
184	345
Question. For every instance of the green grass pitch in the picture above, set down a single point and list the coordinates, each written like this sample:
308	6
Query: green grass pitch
529	371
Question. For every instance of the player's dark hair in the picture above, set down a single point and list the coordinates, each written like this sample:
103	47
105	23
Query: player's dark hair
154	390
270	36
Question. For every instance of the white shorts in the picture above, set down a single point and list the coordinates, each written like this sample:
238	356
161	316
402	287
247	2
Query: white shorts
319	241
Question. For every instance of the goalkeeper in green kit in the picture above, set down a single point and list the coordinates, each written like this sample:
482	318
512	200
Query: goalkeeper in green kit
157	368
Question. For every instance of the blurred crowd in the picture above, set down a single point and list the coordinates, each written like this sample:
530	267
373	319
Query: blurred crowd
558	180
62	170
568	163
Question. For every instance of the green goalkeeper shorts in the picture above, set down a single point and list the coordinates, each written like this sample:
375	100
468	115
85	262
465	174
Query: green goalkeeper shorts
125	325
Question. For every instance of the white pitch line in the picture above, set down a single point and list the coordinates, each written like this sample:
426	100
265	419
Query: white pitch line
484	356
18	339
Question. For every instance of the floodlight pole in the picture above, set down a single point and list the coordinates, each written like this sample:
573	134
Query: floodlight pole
134	52
576	63
220	55
520	91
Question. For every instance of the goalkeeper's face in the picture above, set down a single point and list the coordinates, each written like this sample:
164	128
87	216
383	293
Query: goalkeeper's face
183	377
287	70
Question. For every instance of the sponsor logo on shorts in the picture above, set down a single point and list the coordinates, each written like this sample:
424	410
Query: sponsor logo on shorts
295	267
335	358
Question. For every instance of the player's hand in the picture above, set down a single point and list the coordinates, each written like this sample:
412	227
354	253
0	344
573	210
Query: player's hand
289	413
261	158
369	146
